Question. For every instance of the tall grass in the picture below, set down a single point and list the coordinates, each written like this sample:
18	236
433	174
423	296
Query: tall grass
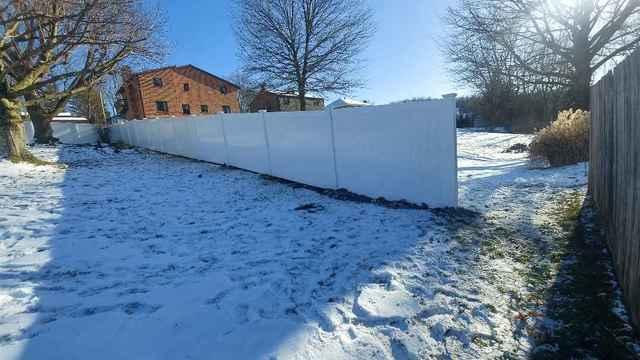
565	141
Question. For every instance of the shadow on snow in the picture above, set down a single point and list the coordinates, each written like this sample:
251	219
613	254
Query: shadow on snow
158	257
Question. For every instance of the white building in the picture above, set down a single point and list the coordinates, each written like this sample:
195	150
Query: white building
346	103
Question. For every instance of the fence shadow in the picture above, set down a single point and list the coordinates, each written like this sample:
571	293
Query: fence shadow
586	299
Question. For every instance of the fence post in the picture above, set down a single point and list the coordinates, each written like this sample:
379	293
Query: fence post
224	137
266	141
333	148
455	153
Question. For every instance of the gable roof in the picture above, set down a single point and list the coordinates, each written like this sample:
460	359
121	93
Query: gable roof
291	95
208	73
175	67
153	70
346	102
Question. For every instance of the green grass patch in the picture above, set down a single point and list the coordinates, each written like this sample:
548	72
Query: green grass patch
581	298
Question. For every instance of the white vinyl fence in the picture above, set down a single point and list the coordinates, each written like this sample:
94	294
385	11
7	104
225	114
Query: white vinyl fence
67	132
398	152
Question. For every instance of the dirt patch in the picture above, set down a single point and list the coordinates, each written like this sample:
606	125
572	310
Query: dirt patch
310	208
346	195
119	146
517	148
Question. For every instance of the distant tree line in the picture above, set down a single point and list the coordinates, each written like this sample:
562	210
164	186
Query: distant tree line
527	59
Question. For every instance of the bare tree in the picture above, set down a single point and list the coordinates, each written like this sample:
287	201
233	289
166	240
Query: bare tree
89	103
304	46
502	86
111	86
556	43
53	49
248	89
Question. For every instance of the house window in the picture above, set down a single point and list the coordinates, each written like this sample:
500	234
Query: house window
204	108
226	109
157	82
223	89
186	109
162	106
317	102
186	86
285	101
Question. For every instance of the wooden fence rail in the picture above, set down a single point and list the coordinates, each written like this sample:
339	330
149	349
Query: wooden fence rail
614	170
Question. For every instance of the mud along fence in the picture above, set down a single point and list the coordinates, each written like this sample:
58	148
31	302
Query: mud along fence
398	152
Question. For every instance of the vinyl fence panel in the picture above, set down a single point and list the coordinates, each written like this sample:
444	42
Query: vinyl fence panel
246	142
400	152
74	133
65	132
168	134
143	134
135	137
86	134
115	133
209	144
148	134
301	148
127	134
155	140
182	131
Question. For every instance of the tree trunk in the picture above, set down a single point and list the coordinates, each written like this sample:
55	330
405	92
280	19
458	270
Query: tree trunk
13	131
41	120
43	132
302	100
580	89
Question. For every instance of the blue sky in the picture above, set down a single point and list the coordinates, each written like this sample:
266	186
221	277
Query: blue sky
402	61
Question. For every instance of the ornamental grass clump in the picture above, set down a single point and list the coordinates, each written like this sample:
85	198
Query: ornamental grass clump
563	142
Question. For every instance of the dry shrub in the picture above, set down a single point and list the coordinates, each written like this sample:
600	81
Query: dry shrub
565	141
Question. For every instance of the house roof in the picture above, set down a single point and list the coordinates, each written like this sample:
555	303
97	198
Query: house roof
68	117
289	94
346	102
175	67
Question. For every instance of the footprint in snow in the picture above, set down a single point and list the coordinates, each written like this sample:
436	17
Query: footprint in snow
133	291
139	308
128	308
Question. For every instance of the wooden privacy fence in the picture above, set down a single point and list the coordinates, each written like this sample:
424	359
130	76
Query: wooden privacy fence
614	171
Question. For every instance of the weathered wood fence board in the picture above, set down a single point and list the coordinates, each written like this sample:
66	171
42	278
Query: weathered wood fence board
614	170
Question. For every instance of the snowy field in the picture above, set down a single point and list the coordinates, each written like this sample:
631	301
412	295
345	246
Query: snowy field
137	255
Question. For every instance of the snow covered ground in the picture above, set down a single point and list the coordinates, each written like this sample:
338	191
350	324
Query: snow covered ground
145	256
